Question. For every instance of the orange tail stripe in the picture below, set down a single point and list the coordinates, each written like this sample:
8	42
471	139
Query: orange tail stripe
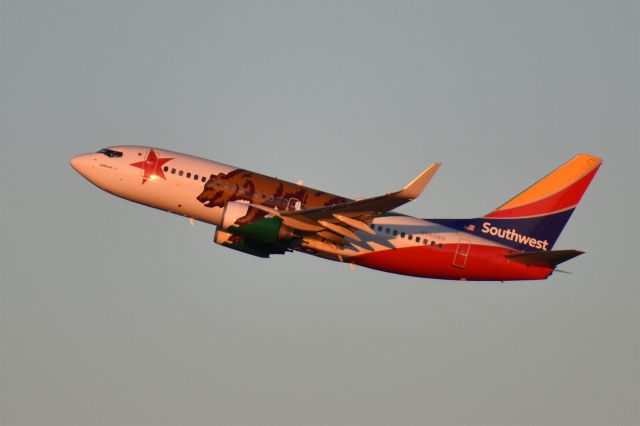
562	200
561	178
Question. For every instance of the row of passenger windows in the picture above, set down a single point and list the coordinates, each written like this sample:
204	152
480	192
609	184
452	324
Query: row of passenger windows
188	175
409	237
289	202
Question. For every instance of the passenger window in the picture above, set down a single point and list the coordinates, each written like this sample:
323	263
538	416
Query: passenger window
402	234
395	232
417	239
387	230
380	228
188	174
195	177
166	168
180	173
410	237
204	179
264	196
173	171
440	245
433	243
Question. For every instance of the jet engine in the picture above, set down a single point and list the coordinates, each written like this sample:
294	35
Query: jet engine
246	245
251	222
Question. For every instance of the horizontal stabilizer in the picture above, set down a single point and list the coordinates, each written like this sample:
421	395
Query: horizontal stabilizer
548	259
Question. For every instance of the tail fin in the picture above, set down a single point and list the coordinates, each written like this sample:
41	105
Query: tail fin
534	219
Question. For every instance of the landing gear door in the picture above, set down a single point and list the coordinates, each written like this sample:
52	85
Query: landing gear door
462	253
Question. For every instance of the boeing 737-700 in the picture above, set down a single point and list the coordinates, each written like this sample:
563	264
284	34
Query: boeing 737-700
264	216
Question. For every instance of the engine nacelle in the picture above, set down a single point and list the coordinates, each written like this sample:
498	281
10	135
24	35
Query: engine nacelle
245	245
248	221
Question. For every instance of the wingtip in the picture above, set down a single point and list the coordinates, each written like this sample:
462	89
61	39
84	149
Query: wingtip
417	185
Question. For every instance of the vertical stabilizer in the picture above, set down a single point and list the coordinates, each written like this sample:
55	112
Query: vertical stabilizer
534	219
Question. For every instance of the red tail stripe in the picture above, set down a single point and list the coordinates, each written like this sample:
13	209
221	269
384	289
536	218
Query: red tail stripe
564	199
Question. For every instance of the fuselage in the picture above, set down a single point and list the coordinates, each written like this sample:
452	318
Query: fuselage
199	189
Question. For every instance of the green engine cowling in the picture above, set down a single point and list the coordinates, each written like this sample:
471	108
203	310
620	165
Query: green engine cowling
246	245
252	230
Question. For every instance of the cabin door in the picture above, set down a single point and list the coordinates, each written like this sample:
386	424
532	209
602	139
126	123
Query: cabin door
462	253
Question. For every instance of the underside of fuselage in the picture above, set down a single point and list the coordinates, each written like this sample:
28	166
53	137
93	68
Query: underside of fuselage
407	245
452	262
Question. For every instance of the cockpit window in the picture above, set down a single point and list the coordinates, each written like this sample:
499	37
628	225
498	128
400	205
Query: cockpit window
110	153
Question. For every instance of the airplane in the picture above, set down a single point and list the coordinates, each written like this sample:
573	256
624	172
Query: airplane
263	216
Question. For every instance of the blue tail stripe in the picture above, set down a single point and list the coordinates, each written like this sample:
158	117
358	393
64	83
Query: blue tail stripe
526	234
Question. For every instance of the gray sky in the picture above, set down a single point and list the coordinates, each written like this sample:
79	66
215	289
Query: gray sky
116	314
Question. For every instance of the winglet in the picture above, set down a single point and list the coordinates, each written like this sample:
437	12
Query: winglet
416	186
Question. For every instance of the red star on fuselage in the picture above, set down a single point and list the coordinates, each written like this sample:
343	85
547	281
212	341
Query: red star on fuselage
151	166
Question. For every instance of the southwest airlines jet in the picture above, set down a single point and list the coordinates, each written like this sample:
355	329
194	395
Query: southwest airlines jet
261	216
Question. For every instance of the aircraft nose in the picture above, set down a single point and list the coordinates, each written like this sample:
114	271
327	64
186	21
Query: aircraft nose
75	162
80	164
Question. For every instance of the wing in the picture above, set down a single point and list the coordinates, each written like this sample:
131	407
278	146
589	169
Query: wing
327	229
331	230
367	208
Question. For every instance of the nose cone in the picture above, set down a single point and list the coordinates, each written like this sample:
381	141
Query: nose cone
75	162
80	164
